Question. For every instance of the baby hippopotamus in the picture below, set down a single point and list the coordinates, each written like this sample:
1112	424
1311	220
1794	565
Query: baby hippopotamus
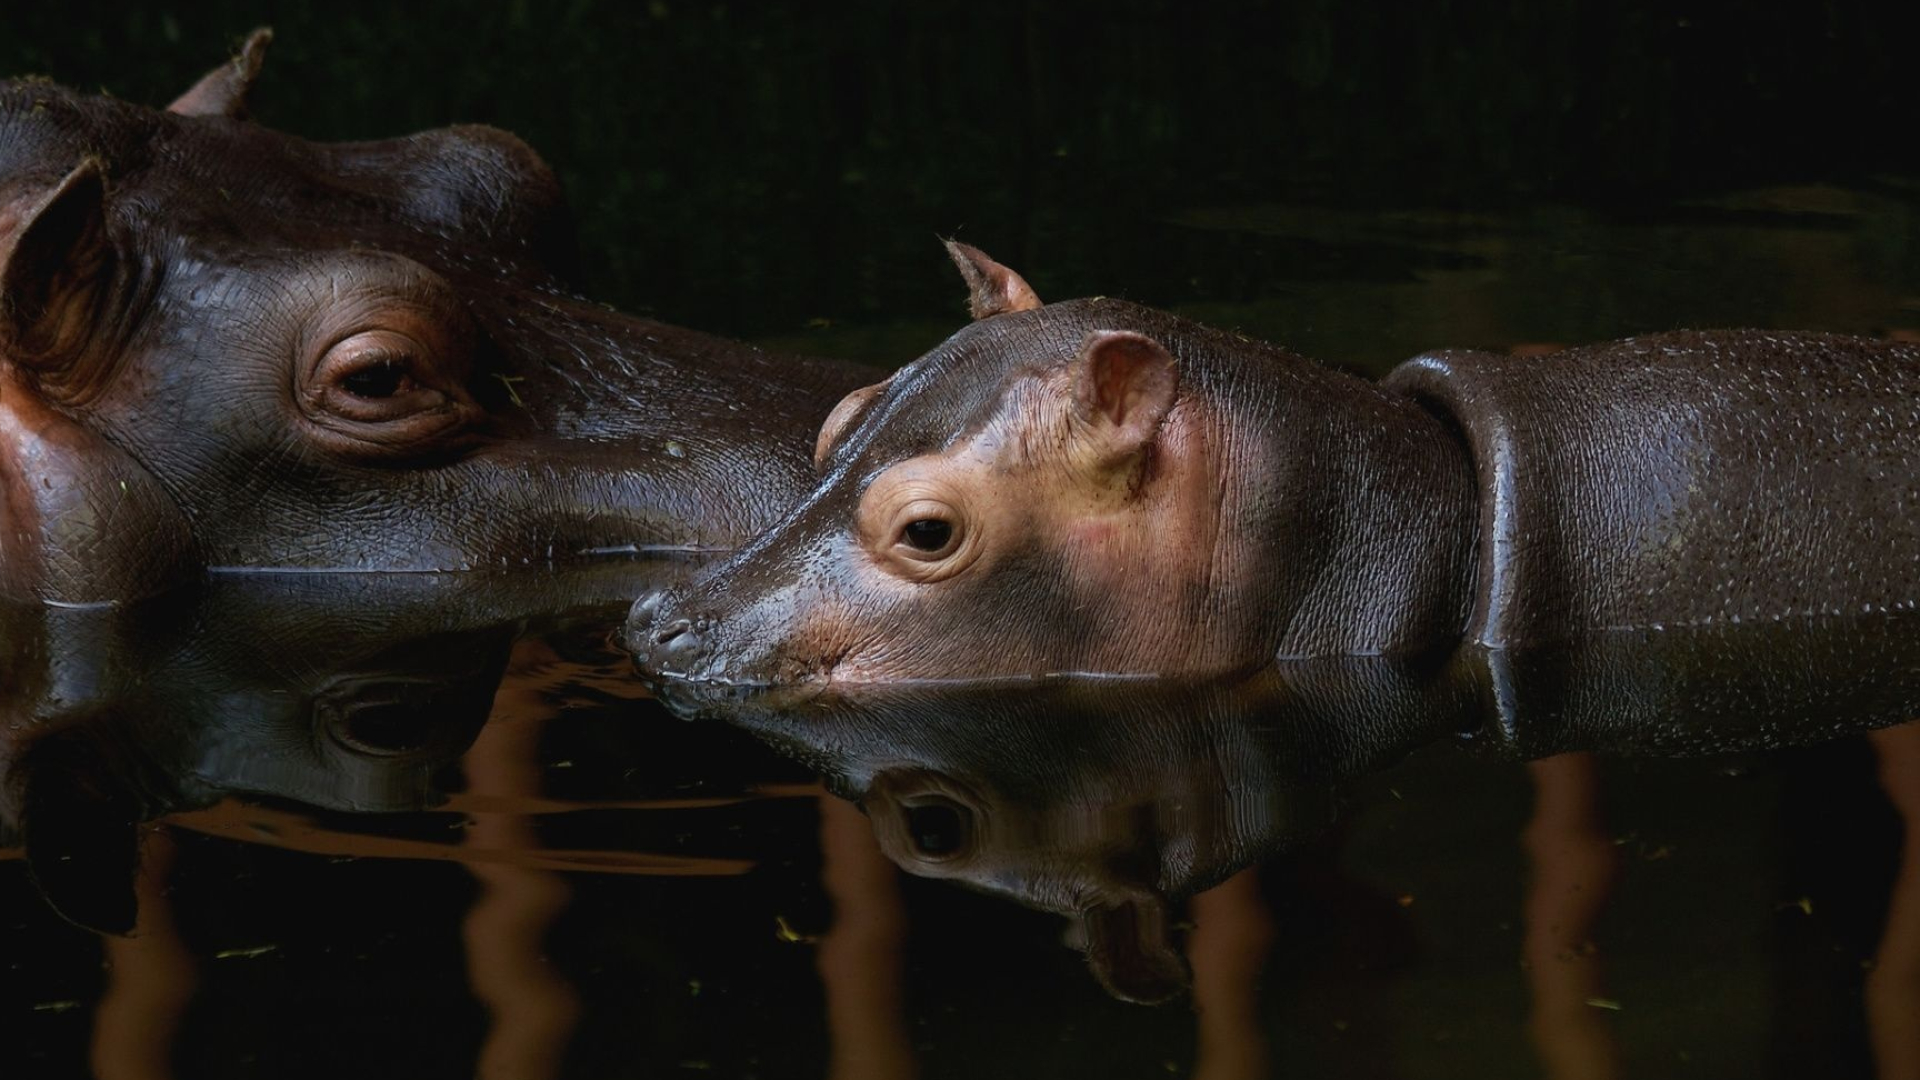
1093	487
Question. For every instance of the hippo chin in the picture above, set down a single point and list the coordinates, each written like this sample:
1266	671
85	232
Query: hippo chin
226	347
1095	487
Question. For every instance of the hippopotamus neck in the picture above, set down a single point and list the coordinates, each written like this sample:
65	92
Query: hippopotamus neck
1364	506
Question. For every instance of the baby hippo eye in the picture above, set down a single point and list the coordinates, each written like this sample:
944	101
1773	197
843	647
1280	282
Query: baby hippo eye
927	534
922	539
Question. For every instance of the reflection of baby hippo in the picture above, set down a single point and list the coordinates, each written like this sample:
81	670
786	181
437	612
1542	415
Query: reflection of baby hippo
1096	862
1100	488
1104	801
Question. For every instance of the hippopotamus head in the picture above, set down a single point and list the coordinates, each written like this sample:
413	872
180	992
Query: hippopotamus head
1088	487
224	346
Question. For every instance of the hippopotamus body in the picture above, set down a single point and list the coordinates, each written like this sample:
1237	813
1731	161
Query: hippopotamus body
1094	487
222	346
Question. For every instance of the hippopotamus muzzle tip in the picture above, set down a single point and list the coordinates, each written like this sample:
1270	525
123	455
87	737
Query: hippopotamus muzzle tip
663	644
674	655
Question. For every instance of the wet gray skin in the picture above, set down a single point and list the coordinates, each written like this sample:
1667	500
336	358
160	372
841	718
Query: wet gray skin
226	347
1093	487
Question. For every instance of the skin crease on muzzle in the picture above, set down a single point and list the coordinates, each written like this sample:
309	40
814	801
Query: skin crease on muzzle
1094	488
224	348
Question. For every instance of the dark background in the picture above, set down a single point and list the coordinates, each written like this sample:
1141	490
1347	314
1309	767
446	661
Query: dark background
755	169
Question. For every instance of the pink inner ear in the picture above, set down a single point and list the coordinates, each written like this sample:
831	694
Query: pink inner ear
56	263
1128	379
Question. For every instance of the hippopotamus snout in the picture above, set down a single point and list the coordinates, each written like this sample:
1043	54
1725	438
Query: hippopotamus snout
665	642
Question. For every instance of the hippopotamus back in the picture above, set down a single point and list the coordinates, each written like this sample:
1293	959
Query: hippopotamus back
1686	479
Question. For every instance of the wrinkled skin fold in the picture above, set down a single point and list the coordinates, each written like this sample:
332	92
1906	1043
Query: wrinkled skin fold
226	347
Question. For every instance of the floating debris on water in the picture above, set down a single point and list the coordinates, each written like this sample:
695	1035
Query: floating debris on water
785	932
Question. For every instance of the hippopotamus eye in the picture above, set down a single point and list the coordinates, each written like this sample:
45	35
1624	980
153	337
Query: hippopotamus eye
937	828
917	531
385	378
927	534
378	366
387	392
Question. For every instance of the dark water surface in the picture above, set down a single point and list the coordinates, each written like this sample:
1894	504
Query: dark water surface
430	827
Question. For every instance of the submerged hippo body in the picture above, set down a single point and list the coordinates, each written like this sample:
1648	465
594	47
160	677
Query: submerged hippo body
1095	487
222	346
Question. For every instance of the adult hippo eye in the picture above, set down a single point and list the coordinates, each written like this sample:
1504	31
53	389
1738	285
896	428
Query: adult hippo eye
387	377
371	376
383	392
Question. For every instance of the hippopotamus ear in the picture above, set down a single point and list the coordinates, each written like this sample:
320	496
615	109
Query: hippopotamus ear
1130	947
995	289
53	270
223	91
842	418
1123	387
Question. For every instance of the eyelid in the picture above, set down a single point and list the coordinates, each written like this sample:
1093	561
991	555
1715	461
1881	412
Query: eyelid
428	410
372	350
916	499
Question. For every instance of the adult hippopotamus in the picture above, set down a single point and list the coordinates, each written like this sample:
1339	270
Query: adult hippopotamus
1096	487
223	346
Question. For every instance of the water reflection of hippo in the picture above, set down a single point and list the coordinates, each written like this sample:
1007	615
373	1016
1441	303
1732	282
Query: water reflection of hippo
1093	486
346	692
1108	800
224	346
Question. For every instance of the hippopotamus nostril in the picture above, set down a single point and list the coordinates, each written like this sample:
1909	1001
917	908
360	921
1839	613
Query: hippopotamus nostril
663	642
674	649
645	611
